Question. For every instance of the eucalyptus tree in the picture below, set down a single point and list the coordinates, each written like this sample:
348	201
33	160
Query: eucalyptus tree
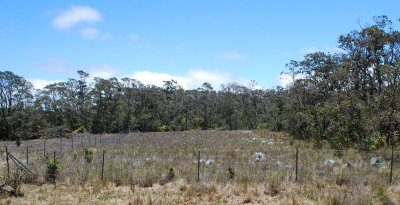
107	106
15	97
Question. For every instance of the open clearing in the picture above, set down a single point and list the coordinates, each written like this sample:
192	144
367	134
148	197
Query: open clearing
234	167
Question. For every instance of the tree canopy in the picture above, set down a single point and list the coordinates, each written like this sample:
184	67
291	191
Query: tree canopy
349	98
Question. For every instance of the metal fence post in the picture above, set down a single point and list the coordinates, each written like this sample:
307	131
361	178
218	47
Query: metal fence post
297	163
102	166
198	166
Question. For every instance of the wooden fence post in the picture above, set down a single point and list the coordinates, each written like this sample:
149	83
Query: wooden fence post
44	148
8	165
297	163
27	155
198	167
102	166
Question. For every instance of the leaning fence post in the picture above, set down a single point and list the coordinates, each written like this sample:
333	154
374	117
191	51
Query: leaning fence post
102	166
8	165
297	163
198	166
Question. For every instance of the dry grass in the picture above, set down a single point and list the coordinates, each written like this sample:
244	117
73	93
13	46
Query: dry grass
138	171
181	193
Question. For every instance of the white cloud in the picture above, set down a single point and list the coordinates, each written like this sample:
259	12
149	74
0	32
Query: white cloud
232	56
103	71
41	83
75	15
157	79
286	79
193	79
92	33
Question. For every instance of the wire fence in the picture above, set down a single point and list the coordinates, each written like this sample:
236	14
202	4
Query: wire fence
115	160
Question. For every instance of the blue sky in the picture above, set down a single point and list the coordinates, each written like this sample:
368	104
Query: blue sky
189	41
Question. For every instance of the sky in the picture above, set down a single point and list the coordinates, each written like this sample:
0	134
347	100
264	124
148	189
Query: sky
191	42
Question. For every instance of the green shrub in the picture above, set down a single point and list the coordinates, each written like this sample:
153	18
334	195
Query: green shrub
231	173
52	170
88	154
171	174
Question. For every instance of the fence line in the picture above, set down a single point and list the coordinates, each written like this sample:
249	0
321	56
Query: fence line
299	156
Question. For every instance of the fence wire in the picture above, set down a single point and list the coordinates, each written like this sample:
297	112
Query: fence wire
124	163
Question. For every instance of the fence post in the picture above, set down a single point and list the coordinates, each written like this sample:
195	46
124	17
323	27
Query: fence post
27	155
61	145
44	148
54	157
8	165
198	166
102	166
89	140
95	141
297	163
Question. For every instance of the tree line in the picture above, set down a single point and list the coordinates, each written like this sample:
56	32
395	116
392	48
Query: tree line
345	99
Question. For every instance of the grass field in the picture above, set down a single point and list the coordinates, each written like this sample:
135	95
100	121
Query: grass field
236	167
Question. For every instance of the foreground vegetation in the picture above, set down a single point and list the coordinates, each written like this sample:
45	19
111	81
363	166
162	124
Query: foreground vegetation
161	168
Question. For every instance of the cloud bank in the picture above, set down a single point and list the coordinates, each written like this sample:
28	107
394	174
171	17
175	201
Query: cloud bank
193	79
40	83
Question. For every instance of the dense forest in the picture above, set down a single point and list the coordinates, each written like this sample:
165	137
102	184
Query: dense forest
347	99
